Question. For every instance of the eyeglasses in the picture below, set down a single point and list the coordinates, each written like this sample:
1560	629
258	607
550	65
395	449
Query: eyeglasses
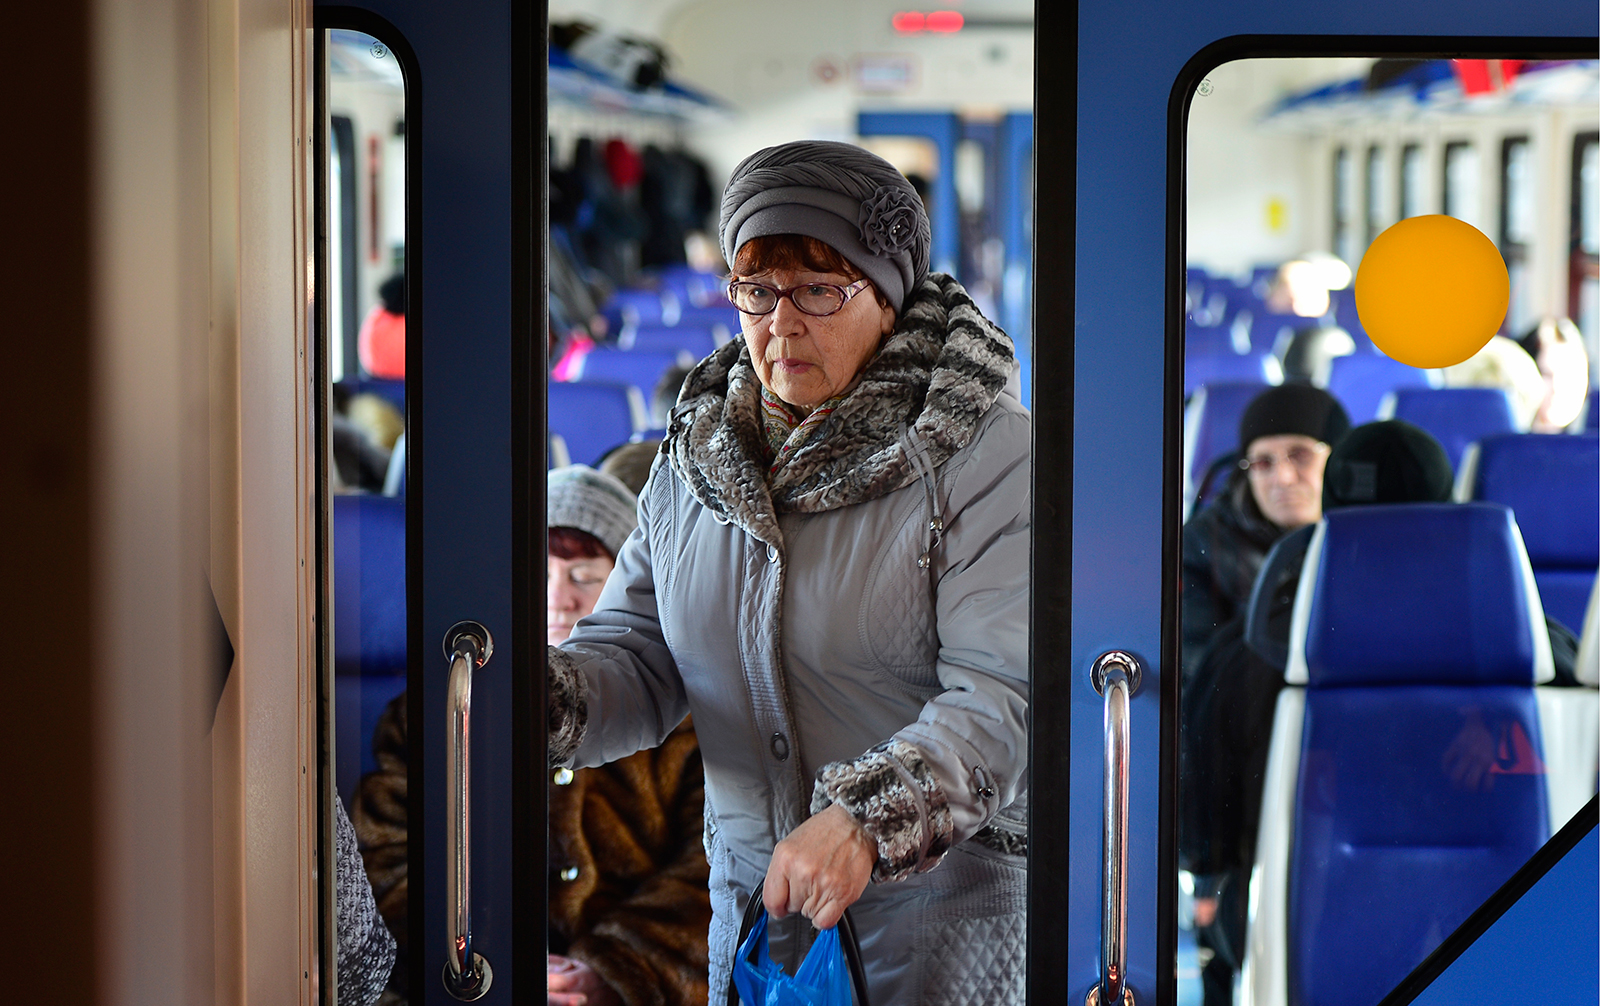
1302	458
816	299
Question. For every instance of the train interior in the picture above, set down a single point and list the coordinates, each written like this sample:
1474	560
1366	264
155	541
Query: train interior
1293	167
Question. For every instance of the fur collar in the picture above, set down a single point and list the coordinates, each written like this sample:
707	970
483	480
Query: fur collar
936	375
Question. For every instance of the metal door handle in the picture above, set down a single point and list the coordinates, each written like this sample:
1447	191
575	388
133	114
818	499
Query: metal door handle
1116	676
467	974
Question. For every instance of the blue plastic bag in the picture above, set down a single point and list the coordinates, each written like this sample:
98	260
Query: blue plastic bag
823	978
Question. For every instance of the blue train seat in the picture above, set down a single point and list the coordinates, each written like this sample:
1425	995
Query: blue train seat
388	389
721	318
641	369
628	308
1455	416
592	418
1211	430
1361	380
1228	368
692	286
1552	484
369	624
1591	411
1412	750
698	343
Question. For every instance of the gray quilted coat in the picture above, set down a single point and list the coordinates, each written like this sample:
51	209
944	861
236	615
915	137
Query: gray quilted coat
851	629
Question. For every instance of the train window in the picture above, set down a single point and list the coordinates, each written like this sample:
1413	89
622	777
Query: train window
1461	183
1295	815
361	268
1412	180
1583	297
1344	183
1377	215
1517	203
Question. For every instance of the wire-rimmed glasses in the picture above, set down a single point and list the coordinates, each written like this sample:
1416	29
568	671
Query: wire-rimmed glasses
816	299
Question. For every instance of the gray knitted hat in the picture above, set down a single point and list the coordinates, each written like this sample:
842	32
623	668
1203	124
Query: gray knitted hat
580	497
850	199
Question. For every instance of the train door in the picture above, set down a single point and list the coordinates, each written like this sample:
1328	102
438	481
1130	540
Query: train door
427	286
1109	263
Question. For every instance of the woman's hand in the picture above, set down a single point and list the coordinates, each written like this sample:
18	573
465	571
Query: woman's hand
820	869
573	983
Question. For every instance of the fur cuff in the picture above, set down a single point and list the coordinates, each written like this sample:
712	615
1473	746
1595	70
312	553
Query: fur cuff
892	793
569	707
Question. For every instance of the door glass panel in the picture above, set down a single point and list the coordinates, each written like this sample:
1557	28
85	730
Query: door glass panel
648	118
362	310
1344	738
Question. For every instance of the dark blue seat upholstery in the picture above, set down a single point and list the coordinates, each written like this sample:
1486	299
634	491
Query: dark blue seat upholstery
388	389
641	369
592	418
1211	428
713	317
1361	380
1455	416
369	623
696	342
1552	484
1420	785
1229	368
633	307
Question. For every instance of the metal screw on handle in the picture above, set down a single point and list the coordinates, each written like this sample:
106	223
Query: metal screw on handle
467	975
1116	676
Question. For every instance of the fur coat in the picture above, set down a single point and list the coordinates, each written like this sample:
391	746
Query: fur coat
628	868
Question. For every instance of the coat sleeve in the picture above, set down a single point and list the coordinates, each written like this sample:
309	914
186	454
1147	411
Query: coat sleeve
942	778
614	687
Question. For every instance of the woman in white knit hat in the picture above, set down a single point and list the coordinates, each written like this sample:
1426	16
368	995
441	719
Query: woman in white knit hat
628	900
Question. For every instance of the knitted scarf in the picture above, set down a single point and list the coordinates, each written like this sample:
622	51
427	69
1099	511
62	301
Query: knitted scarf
787	429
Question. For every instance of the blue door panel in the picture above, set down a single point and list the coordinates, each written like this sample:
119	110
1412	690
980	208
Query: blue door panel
459	366
1124	459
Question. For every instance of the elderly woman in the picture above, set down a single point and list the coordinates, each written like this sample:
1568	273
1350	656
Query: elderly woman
831	574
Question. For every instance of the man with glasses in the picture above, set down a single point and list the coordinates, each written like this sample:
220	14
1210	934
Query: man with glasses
1285	437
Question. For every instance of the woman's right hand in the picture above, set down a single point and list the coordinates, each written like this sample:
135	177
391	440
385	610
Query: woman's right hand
573	983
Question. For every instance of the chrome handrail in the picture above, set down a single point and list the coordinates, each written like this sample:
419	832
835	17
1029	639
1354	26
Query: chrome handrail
1116	676
467	974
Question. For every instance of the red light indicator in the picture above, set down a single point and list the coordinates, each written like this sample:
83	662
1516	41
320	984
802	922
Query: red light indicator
945	20
908	22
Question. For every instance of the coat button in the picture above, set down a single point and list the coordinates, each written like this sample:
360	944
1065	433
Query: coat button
780	747
569	873
563	777
772	553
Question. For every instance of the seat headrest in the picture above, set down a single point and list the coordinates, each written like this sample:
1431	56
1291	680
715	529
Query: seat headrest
1418	593
1552	484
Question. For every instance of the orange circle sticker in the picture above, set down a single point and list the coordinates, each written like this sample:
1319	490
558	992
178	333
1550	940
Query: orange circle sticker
1431	291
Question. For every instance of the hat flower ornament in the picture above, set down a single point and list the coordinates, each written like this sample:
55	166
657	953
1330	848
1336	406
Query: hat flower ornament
889	221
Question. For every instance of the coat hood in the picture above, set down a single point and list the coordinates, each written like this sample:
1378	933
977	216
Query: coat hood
920	398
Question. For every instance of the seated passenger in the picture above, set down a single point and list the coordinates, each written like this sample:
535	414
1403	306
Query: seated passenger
1285	436
1502	364
381	343
1556	346
629	886
1384	462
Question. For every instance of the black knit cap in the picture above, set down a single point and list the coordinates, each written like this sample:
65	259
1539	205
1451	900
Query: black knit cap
1293	408
1386	462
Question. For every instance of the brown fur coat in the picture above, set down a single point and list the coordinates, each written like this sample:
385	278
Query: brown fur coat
638	908
629	835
